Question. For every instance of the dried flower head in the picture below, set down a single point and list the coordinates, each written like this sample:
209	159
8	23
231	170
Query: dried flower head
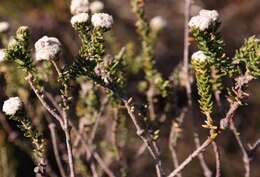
201	22
212	14
96	6
102	20
2	55
199	56
80	18
4	27
47	48
79	6
12	105
157	23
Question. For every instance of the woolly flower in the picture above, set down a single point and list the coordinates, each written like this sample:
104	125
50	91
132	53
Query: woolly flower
80	18
47	48
12	105
4	26
2	55
102	20
79	6
157	23
199	56
212	14
204	19
201	22
96	6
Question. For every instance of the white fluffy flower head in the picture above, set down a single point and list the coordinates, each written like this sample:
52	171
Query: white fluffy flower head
212	14
199	56
102	20
4	26
201	22
12	105
47	48
96	6
204	19
2	55
79	6
80	18
157	23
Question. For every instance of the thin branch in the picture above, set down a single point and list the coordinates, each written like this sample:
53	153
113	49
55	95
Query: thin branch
186	50
96	124
90	153
253	148
246	158
144	135
66	130
173	148
217	155
62	120
191	157
53	101
55	149
114	133
206	171
41	98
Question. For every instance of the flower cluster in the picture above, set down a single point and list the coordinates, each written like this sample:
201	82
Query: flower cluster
79	6
47	48
79	18
204	19
102	20
2	55
4	27
96	6
12	105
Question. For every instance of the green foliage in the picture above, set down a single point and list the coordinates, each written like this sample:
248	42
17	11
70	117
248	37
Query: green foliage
204	87
18	50
249	55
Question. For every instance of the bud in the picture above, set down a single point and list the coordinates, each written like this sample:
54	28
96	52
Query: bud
199	56
158	23
22	33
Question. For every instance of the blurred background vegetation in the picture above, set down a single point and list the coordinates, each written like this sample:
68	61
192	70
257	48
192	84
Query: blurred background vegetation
240	19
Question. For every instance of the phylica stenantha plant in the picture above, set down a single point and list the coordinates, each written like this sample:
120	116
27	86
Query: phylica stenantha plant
93	103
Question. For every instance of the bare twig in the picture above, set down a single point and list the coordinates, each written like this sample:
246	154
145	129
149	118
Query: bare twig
97	121
91	153
44	103
253	148
246	158
114	133
217	155
186	50
55	149
63	120
173	148
144	135
206	171
191	157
